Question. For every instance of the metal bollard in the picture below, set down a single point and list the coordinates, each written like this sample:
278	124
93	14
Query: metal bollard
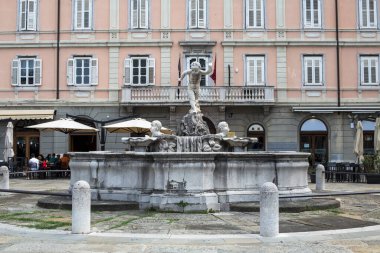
320	178
4	178
81	208
269	210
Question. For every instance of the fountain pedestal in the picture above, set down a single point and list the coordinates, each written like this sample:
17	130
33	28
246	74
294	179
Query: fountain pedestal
184	182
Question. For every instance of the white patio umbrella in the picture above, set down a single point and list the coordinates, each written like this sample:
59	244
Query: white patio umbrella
8	145
358	147
65	125
139	126
377	136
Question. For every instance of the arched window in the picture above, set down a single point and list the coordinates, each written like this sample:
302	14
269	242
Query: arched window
314	140
256	131
368	136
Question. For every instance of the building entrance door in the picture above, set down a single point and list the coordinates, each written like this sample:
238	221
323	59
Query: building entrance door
316	144
314	140
26	145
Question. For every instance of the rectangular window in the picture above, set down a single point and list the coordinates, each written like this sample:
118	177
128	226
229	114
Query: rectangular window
254	14
255	70
369	70
82	71
28	15
139	71
368	13
83	14
312	13
139	14
26	71
313	70
197	13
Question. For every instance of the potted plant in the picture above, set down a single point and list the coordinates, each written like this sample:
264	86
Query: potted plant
371	166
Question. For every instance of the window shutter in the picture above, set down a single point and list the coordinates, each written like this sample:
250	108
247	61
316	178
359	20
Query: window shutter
249	13
37	71
151	70
259	16
78	14
193	14
94	71
134	14
23	9
308	65
32	15
363	13
373	13
144	14
202	13
307	13
317	71
260	71
315	13
127	71
250	71
70	72
15	71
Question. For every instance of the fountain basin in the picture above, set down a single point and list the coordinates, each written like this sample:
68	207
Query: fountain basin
197	181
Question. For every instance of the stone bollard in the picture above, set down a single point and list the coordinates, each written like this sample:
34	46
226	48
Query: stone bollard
4	178
269	210
320	178
81	208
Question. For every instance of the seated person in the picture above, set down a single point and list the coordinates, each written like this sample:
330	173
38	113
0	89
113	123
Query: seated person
65	160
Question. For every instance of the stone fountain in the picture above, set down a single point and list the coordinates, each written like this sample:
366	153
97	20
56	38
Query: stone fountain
191	171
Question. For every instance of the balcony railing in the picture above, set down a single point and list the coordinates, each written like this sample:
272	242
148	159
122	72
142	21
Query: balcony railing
222	95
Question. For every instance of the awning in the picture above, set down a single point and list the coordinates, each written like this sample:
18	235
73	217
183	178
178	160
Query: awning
332	109
26	114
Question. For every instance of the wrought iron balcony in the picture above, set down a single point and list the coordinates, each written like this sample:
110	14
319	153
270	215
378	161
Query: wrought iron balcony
132	95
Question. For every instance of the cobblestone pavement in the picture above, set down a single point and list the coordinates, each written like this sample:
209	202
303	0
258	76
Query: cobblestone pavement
235	230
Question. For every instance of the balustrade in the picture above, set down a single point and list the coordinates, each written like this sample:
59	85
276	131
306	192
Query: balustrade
171	94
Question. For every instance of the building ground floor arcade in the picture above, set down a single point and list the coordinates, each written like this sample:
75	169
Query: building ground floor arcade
329	135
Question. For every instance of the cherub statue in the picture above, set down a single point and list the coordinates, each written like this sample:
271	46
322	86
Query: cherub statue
223	129
156	128
193	89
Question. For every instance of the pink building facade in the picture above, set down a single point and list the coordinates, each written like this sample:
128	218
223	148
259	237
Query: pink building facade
293	73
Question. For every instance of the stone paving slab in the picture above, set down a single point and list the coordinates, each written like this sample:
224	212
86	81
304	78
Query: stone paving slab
21	210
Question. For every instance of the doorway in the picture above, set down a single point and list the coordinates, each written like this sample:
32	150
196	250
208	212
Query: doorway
26	144
314	140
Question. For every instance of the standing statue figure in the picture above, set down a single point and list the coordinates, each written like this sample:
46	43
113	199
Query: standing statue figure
193	88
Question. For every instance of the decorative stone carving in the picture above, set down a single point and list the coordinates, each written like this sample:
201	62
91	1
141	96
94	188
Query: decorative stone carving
193	125
211	143
166	143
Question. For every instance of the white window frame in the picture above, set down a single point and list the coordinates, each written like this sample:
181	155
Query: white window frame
17	71
150	75
365	21
314	13
314	62
195	13
79	22
72	71
139	16
197	58
258	77
28	13
254	17
371	62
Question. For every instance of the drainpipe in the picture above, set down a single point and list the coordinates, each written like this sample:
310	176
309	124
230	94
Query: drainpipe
337	49
58	42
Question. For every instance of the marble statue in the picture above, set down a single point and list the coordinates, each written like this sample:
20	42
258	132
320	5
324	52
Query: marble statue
193	88
223	129
156	128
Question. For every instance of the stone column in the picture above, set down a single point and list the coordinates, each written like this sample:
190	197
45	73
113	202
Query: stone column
269	210
320	178
4	178
81	208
